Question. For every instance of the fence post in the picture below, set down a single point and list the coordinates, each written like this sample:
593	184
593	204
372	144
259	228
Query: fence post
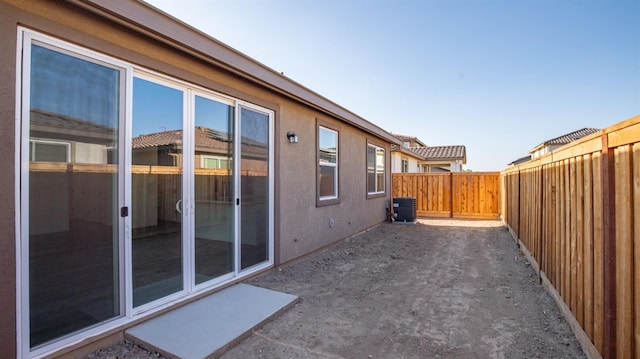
541	232
609	248
519	204
450	194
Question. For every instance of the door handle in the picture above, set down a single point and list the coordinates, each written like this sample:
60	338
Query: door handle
178	206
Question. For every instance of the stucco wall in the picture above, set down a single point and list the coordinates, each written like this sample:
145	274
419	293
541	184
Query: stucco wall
7	179
300	226
303	226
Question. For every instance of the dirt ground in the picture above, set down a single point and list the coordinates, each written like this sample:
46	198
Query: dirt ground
436	289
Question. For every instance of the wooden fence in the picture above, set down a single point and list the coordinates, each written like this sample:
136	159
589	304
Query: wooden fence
577	212
454	195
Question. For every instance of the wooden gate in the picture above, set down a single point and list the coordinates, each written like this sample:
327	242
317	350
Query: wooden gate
453	195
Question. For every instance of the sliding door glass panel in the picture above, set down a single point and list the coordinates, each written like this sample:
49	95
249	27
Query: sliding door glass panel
214	207
156	191
254	187
73	194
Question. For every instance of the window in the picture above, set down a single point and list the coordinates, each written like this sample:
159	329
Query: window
215	162
375	169
405	165
48	151
327	165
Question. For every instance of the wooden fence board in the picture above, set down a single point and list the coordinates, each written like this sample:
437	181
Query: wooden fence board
598	255
588	246
624	252
579	240
636	244
564	235
573	246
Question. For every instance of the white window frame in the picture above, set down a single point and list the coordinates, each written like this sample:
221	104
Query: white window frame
204	158
331	199
375	170
404	165
34	142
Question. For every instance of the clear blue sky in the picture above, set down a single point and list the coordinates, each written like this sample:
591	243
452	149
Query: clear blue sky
498	76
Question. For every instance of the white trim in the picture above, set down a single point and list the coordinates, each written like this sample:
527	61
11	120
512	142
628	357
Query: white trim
18	193
237	144
126	131
188	191
23	245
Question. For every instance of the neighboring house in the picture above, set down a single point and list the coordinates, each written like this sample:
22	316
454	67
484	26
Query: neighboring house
442	158
554	143
405	160
409	141
416	157
152	164
520	160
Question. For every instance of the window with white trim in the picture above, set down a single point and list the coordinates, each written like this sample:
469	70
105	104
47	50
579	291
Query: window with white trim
215	162
49	151
327	164
375	169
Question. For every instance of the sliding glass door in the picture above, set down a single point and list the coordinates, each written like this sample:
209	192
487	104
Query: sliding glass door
71	192
254	187
136	190
213	188
200	189
157	201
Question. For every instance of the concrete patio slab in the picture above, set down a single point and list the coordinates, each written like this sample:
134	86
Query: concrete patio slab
206	327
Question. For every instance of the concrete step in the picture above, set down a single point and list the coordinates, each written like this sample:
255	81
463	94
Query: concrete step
211	325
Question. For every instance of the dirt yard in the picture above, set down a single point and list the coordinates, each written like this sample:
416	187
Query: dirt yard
437	289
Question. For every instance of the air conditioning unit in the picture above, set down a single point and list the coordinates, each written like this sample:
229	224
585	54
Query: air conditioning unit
404	209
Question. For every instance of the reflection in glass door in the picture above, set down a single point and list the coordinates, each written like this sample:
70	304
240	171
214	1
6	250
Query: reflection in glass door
156	191
213	187
254	187
188	230
72	146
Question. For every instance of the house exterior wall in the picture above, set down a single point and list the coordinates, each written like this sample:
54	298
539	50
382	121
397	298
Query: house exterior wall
7	180
544	150
300	226
396	163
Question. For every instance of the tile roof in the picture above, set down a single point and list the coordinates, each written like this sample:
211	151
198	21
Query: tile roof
55	120
457	152
570	137
206	140
520	160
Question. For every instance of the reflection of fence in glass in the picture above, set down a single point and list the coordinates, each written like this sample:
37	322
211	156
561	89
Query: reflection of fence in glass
77	184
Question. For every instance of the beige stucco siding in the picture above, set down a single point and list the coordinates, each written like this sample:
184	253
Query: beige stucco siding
303	226
7	180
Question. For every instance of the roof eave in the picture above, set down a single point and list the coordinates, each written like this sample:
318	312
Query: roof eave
148	20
